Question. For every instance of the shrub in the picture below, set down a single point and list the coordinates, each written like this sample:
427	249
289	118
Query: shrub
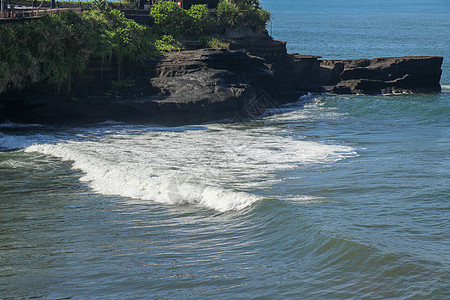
173	20
199	19
167	44
66	43
242	12
228	13
121	38
56	47
101	5
247	4
52	49
258	17
17	63
170	19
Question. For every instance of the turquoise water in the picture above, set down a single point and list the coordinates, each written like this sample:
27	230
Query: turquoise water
333	197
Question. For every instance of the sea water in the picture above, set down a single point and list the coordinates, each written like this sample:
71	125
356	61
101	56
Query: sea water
330	197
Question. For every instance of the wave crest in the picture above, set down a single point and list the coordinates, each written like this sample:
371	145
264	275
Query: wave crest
139	183
218	167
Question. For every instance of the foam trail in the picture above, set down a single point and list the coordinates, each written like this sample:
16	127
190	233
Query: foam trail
306	97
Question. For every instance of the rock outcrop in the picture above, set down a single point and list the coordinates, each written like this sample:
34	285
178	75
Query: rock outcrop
210	82
175	88
409	74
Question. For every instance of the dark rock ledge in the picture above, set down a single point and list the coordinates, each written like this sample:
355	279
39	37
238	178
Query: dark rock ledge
409	74
210	84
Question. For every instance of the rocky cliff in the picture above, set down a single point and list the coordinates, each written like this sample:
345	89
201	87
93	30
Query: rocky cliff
175	88
209	84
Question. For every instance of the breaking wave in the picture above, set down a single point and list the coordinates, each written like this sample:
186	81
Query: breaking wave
218	167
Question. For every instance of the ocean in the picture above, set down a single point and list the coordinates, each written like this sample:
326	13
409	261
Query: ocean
332	197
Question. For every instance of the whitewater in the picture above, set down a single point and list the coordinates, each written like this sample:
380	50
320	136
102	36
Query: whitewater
208	165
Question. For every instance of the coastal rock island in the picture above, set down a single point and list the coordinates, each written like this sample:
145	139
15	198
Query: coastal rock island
205	84
409	74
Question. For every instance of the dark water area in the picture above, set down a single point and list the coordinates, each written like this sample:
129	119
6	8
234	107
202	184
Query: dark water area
333	197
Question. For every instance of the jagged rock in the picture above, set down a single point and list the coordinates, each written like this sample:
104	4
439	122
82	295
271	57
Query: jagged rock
213	80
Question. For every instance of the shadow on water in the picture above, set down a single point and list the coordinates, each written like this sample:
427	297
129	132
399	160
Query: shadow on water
16	136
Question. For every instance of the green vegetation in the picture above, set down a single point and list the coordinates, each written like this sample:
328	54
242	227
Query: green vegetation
57	47
174	23
242	12
170	19
86	4
119	38
167	43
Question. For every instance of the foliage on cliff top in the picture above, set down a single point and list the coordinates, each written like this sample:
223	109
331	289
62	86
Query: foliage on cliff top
171	19
242	12
196	23
56	47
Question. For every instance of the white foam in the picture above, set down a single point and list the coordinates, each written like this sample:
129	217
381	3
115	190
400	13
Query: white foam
314	109
304	199
445	87
219	167
140	182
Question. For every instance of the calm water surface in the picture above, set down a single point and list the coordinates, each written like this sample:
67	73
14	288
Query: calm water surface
331	197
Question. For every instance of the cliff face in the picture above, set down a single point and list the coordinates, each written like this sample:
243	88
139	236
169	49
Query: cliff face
210	76
210	84
176	88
